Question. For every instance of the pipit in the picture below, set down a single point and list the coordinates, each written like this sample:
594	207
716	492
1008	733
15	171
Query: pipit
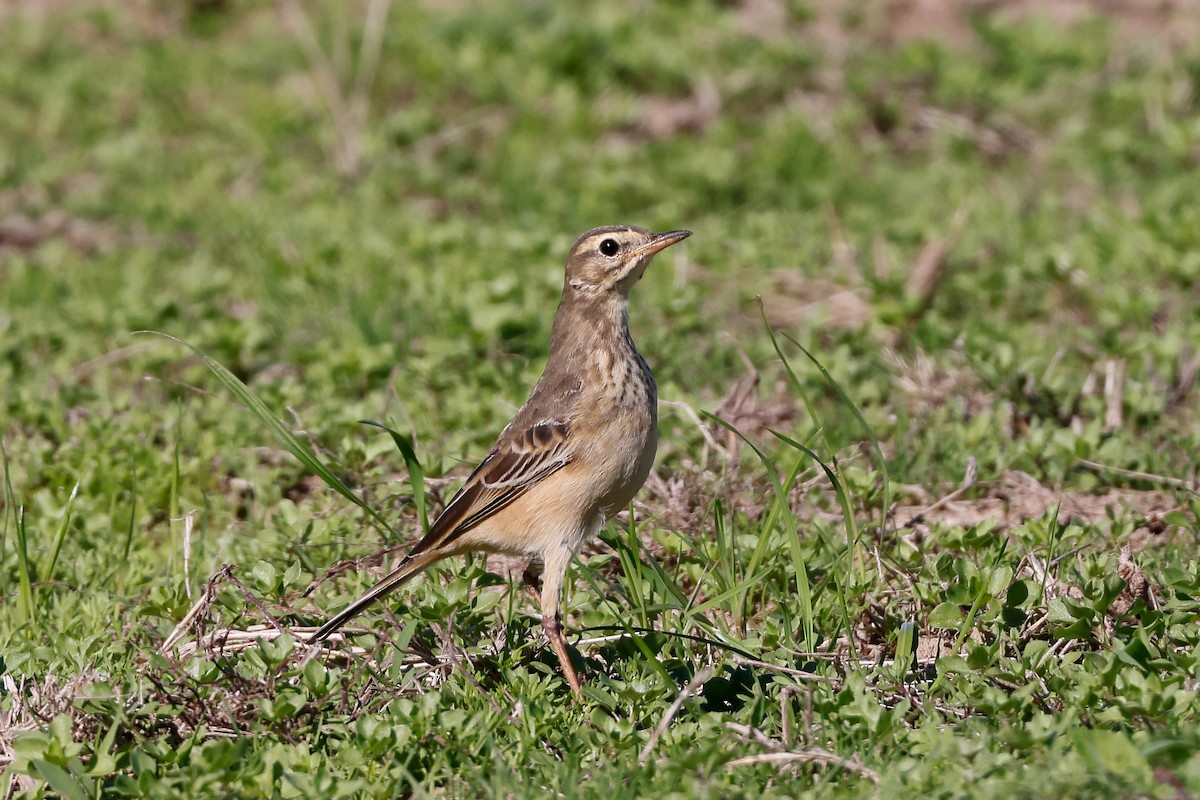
578	450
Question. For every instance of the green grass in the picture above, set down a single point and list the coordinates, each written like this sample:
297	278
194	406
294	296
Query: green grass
172	168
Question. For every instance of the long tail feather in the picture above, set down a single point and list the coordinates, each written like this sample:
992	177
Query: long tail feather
408	569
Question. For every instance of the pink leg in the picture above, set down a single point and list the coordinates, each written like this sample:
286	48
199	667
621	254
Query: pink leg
555	570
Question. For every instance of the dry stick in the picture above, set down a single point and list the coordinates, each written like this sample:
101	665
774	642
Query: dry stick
1188	371
189	523
930	266
351	155
810	755
1139	475
691	414
460	661
1114	394
254	600
779	754
750	734
339	44
695	683
237	639
795	673
968	482
195	611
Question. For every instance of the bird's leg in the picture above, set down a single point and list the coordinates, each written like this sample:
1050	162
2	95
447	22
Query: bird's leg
554	632
555	569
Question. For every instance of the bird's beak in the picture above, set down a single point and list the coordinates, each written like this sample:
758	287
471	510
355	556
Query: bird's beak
661	241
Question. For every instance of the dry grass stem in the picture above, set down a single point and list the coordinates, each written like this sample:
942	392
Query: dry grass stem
198	608
779	755
348	108
1114	394
694	684
931	265
967	483
795	673
810	755
1189	368
189	524
1178	483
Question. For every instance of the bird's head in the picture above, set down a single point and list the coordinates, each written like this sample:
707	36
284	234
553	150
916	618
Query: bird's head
612	259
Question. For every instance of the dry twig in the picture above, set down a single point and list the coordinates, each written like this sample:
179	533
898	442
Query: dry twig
795	673
694	684
967	483
1178	483
808	755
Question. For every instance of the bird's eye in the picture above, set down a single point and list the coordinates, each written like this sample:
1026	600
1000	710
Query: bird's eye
609	247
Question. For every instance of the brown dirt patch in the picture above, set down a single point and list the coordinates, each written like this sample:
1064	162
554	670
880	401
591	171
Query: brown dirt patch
1175	23
1017	497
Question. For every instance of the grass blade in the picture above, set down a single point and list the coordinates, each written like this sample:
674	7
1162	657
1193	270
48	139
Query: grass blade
121	573
9	505
58	779
132	518
906	648
842	496
848	403
416	473
638	640
292	443
174	515
877	451
764	539
727	566
780	511
48	572
760	549
631	568
847	515
24	570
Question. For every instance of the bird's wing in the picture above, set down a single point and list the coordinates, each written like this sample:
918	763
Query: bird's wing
520	460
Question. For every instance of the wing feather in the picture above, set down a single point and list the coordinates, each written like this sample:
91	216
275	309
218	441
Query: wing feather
518	462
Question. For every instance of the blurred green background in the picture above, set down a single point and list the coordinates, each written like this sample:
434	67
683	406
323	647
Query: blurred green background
981	218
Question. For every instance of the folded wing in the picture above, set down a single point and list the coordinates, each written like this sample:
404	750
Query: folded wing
519	462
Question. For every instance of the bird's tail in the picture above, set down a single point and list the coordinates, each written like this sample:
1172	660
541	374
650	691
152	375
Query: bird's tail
408	568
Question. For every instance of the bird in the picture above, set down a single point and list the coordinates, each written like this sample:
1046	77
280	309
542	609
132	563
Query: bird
574	455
